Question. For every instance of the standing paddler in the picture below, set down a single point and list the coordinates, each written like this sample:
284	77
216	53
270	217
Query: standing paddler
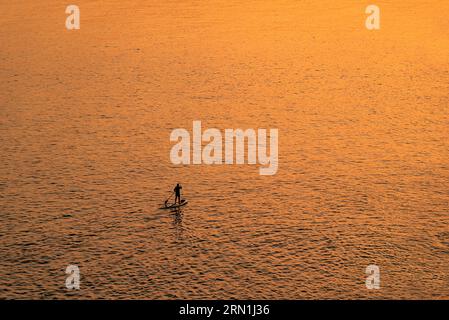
177	191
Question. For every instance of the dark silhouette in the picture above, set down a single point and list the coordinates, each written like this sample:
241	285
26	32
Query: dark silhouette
177	191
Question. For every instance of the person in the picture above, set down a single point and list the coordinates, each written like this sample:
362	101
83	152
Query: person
177	191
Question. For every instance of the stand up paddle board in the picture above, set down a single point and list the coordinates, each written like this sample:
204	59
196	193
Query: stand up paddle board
175	205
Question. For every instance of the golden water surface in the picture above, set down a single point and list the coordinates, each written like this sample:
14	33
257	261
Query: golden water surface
85	121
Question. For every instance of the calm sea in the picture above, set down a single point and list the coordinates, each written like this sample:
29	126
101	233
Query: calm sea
85	121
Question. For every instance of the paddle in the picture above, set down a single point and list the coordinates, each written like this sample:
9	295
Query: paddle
171	195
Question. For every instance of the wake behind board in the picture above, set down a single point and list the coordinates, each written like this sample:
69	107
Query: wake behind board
176	205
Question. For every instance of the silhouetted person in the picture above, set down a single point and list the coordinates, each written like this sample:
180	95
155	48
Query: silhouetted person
177	191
